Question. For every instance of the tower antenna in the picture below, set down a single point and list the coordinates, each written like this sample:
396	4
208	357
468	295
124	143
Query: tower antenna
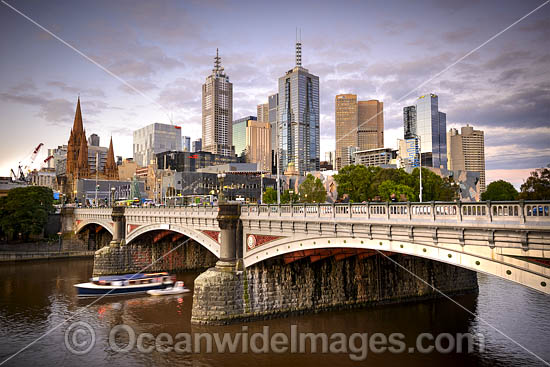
298	48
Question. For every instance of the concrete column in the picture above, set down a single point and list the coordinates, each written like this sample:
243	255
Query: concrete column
67	219
119	226
228	220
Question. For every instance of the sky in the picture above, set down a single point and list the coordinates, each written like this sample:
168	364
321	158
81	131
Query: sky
393	51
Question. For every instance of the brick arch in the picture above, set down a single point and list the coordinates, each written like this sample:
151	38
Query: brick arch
86	222
203	239
512	269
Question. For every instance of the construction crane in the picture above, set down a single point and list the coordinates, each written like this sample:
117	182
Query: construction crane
33	156
25	165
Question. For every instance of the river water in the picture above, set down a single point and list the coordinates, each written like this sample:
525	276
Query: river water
36	297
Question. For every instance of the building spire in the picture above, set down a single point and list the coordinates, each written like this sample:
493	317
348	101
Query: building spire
77	125
217	62
110	170
298	48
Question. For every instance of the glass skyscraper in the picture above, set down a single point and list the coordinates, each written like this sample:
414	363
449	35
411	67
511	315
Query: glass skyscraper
239	133
426	121
299	119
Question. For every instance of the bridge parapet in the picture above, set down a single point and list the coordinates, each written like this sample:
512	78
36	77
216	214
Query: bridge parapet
535	213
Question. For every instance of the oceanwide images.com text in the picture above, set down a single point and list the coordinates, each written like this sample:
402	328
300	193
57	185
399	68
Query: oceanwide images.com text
80	339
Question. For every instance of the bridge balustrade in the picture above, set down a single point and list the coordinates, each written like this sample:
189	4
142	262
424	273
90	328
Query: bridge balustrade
537	210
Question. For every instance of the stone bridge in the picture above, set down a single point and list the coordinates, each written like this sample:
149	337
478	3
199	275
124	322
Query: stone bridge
510	240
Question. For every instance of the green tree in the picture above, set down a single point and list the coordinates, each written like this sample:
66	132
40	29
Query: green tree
434	187
287	197
269	196
312	190
356	181
402	192
25	211
500	191
537	186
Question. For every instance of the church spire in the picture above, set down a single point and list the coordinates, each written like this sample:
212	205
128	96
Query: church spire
77	125
111	170
83	170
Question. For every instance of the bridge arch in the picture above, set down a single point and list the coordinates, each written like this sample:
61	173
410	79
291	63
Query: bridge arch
516	270
103	223
199	237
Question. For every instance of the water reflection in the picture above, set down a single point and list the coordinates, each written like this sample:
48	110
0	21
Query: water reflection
36	297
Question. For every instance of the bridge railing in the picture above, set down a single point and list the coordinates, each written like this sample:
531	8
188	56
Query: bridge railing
512	211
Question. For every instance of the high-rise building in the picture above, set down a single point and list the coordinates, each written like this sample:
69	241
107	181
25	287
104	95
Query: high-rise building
466	151
346	126
258	144
186	143
196	145
273	105
298	121
370	131
263	112
153	139
427	122
93	140
239	134
359	124
217	112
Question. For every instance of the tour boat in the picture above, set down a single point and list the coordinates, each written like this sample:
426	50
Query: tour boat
178	288
124	284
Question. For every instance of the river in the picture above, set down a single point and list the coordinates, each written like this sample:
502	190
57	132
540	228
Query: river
36	297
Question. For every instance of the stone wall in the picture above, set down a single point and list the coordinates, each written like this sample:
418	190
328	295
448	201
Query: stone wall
138	255
273	289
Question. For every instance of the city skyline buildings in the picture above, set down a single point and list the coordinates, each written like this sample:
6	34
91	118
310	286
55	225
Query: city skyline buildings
114	110
466	151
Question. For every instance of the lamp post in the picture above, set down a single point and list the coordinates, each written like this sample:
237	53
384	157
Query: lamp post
291	192
112	196
221	178
420	162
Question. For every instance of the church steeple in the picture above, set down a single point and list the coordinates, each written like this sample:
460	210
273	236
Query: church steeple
83	170
77	125
111	169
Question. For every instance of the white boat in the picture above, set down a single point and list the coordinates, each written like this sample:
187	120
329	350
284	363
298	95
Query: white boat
115	285
178	288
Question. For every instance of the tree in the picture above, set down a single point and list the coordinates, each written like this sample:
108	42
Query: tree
500	191
287	197
537	186
25	211
312	190
356	180
269	196
402	192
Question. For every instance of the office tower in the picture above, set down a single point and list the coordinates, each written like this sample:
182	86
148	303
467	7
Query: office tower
263	112
93	140
239	134
359	124
196	145
153	139
426	121
258	144
299	119
186	143
273	106
346	126
217	112
466	151
370	131
330	157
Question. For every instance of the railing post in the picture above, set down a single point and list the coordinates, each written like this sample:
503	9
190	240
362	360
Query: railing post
489	210
291	210
305	212
388	209
522	211
318	210
368	209
333	210
433	210
279	209
459	210
349	208
409	210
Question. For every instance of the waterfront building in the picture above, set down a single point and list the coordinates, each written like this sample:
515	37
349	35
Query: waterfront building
153	139
239	134
375	157
466	151
298	122
427	122
217	112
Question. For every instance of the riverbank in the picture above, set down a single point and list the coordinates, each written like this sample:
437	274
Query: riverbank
6	256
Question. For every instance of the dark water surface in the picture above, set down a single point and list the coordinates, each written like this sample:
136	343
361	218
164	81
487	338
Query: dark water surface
36	297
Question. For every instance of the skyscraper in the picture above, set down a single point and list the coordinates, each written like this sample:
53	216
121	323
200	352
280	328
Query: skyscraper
258	144
186	143
359	124
426	121
466	151
299	119
370	131
273	106
196	145
346	125
217	112
153	139
263	112
239	133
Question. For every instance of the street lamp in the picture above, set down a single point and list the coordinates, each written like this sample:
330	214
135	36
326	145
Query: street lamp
112	196
420	162
291	192
221	178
